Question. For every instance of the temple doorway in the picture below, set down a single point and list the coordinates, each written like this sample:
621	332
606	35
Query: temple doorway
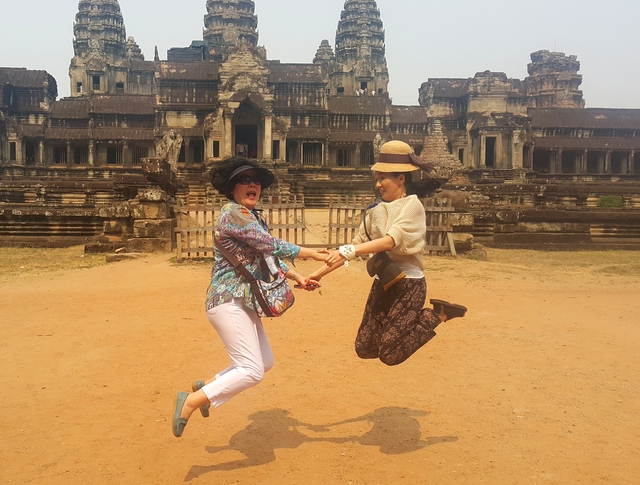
247	141
246	121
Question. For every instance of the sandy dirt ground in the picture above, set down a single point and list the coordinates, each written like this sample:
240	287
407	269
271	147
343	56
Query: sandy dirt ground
539	384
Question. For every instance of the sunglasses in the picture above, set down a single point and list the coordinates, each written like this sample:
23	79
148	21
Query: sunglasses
247	179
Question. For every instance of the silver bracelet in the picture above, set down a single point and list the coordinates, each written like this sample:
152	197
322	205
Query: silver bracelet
348	252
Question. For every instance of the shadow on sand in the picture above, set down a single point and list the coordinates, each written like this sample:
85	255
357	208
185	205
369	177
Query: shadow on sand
394	430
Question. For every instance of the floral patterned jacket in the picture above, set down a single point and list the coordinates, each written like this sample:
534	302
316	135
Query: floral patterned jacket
243	233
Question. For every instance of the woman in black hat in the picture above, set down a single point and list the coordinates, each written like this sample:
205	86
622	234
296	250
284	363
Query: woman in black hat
230	306
395	324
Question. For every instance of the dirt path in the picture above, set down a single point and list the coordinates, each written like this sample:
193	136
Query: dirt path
539	384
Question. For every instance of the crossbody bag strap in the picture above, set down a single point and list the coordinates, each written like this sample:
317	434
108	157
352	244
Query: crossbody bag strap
364	223
237	265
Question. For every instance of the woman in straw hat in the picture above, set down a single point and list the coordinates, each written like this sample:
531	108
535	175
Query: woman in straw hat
395	324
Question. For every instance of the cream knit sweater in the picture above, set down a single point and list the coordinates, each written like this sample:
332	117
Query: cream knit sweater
404	220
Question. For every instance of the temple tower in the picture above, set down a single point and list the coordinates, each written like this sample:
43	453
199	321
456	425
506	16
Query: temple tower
99	27
360	51
554	81
230	21
103	55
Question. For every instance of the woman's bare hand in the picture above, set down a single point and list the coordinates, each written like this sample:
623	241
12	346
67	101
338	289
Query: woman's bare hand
334	258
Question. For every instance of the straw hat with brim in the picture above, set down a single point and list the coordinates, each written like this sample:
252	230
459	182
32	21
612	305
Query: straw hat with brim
396	156
266	176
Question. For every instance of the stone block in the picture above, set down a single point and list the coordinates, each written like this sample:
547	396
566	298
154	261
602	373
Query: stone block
463	242
507	217
152	195
154	228
150	245
149	210
541	238
112	227
461	222
119	211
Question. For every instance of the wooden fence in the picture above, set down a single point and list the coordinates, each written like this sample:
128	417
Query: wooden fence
345	216
439	230
196	223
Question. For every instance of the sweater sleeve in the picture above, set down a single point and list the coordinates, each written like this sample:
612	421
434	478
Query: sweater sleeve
243	226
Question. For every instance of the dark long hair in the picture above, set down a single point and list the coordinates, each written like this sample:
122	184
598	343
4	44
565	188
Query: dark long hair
422	189
220	173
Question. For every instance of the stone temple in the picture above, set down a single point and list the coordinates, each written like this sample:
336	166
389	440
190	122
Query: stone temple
527	152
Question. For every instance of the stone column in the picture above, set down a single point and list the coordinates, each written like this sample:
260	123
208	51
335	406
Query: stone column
268	140
483	151
92	153
41	152
559	161
607	162
227	149
188	159
358	155
19	152
632	165
69	159
498	156
126	154
584	168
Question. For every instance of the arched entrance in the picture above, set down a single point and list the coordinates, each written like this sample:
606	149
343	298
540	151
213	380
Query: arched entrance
247	124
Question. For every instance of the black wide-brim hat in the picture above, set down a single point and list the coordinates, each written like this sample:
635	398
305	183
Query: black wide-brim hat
266	176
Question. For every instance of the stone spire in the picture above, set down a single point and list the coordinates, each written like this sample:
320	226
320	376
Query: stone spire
554	81
360	36
230	21
99	28
324	54
134	53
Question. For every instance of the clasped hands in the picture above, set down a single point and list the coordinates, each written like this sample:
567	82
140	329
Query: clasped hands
330	259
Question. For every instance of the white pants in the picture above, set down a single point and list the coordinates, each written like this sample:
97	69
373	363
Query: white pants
246	342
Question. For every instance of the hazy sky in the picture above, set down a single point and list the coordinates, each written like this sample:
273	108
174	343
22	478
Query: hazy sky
424	38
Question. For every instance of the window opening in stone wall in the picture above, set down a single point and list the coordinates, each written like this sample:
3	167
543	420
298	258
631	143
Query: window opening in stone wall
81	155
275	150
366	155
490	151
380	91
343	158
340	90
247	141
182	157
79	87
525	156
569	162
216	149
60	155
618	163
312	153
418	149
12	151
114	155
120	88
292	152
30	153
461	155
96	83
542	161
594	161
138	153
197	151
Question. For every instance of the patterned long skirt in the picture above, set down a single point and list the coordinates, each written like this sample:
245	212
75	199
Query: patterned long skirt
394	325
